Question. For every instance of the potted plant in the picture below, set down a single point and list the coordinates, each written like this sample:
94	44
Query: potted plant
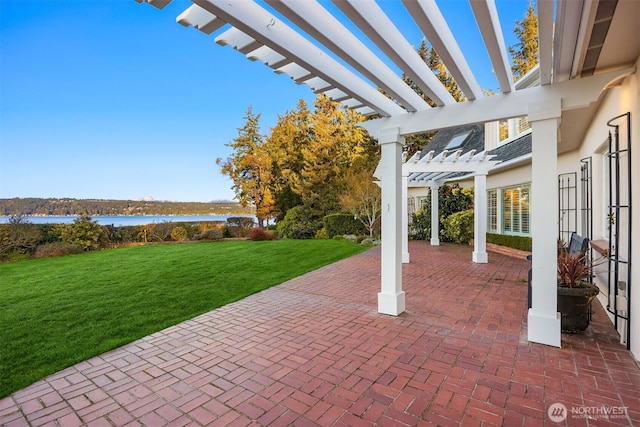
575	290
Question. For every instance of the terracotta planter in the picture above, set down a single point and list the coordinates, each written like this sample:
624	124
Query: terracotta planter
574	304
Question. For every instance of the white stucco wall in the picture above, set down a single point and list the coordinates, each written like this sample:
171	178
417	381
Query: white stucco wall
617	100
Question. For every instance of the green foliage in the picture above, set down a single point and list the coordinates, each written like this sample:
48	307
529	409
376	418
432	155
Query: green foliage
339	224
421	225
459	226
299	224
178	234
84	232
322	234
50	233
56	312
285	200
522	243
451	199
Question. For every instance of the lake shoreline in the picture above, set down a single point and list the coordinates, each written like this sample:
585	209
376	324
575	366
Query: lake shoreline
125	220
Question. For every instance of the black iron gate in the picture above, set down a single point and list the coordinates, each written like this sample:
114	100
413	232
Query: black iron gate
619	224
586	198
567	206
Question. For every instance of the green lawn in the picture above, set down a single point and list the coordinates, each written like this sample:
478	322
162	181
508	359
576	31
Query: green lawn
55	312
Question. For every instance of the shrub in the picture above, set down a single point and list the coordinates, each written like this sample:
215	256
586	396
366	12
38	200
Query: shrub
212	234
343	224
126	233
338	237
260	234
421	225
57	249
19	236
459	226
322	234
239	226
451	199
84	232
522	243
368	241
298	223
178	234
159	232
50	233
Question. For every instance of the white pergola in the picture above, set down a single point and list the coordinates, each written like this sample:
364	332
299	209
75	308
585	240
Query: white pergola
339	64
433	170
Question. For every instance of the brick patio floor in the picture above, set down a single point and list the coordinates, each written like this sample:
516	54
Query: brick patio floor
314	351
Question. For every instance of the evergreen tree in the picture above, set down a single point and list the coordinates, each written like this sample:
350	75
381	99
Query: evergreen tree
312	151
428	54
525	52
249	168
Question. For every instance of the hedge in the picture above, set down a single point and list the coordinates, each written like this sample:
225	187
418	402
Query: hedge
516	242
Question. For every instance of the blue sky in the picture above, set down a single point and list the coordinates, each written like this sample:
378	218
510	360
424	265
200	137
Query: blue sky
111	99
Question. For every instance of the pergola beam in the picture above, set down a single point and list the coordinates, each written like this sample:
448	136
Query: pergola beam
573	93
430	20
316	21
545	40
378	27
489	24
261	25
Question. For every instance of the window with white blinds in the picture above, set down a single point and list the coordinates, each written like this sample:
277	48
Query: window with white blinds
515	210
492	211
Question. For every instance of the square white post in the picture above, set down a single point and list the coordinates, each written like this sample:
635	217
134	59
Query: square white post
435	222
405	218
480	218
391	299
544	319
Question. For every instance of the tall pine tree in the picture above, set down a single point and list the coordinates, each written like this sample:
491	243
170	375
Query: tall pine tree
249	168
428	54
525	52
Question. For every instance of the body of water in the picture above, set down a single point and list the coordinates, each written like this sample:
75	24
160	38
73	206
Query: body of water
119	221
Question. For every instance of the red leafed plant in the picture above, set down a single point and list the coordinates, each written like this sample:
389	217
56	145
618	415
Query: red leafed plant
575	271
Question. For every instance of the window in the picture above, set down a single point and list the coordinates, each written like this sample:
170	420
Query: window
422	203
492	211
457	141
515	210
523	124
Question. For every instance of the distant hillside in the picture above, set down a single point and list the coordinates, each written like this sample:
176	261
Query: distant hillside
96	207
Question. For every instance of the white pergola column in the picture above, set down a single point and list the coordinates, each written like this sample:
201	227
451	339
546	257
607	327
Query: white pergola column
544	319
480	218
405	217
391	299
435	223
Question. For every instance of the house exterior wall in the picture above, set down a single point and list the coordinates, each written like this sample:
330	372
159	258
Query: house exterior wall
617	100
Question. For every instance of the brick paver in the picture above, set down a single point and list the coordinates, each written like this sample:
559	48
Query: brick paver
315	352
